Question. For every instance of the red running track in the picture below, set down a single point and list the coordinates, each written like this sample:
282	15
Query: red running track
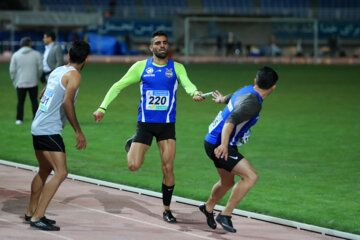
88	211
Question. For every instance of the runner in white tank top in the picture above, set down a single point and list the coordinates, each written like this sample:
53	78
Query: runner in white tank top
50	117
56	106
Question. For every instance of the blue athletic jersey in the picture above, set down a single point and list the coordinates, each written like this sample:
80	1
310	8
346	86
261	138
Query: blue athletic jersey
215	128
158	88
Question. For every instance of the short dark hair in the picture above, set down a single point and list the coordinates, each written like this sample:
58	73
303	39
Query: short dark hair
79	51
25	41
51	34
158	33
266	77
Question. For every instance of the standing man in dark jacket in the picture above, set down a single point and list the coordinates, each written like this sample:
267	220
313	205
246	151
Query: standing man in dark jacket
53	55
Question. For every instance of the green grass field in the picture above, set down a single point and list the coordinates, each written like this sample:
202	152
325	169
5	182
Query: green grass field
305	146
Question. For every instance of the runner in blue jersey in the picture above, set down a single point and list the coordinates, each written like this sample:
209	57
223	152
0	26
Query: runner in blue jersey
230	129
159	78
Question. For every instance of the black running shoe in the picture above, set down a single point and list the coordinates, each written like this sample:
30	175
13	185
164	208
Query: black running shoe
44	219
168	217
27	218
128	144
209	216
44	226
225	222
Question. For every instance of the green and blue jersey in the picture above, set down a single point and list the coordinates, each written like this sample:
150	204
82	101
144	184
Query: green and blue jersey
158	87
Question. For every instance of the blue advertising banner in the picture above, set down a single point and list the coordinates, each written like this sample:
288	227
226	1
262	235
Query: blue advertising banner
345	30
137	28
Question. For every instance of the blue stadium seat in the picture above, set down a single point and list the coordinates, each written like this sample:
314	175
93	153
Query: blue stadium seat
64	5
243	7
339	9
289	8
122	8
164	8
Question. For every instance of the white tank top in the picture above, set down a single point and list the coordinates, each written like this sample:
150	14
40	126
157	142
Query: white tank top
50	117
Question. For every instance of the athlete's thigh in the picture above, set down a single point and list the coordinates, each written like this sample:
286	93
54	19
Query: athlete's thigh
167	149
226	177
137	152
44	163
56	159
243	168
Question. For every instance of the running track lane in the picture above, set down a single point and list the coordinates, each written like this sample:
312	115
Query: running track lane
87	211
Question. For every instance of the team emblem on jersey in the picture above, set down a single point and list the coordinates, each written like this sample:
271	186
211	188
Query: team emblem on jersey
169	73
149	70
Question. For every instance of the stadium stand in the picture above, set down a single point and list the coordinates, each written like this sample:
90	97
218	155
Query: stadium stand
338	9
65	5
243	7
121	8
286	8
164	8
323	9
137	18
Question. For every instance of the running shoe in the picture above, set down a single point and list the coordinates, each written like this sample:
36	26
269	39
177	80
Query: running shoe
168	217
209	216
225	222
44	219
128	144
44	226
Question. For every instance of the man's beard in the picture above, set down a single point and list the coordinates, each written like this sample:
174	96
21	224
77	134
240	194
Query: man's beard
161	55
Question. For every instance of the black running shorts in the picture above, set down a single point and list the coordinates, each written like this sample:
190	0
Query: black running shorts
161	131
53	143
233	156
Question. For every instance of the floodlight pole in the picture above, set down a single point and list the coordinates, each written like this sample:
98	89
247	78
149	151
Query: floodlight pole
187	39
316	41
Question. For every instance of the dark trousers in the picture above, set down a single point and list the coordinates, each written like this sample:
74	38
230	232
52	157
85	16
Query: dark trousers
21	95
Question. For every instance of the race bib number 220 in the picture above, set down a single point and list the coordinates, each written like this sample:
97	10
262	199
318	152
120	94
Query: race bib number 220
157	100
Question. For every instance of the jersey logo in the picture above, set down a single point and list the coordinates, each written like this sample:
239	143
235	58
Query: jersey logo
150	72
234	157
169	73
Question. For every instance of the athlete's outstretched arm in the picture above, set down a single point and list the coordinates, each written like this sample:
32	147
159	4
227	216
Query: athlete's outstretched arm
132	76
71	81
189	87
219	98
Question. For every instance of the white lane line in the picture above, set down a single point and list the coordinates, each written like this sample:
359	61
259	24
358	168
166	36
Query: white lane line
139	221
119	216
25	226
251	215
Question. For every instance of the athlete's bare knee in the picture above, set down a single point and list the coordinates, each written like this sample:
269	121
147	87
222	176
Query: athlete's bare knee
44	173
132	165
61	174
167	168
252	178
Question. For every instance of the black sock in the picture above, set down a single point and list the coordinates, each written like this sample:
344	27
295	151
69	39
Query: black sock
167	194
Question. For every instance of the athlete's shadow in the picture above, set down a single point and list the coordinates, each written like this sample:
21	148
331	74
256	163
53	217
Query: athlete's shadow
16	202
196	221
116	204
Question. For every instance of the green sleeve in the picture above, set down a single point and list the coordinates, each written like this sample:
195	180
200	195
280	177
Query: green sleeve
189	87
133	75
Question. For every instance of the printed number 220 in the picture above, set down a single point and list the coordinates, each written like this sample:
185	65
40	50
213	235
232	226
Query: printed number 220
157	100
